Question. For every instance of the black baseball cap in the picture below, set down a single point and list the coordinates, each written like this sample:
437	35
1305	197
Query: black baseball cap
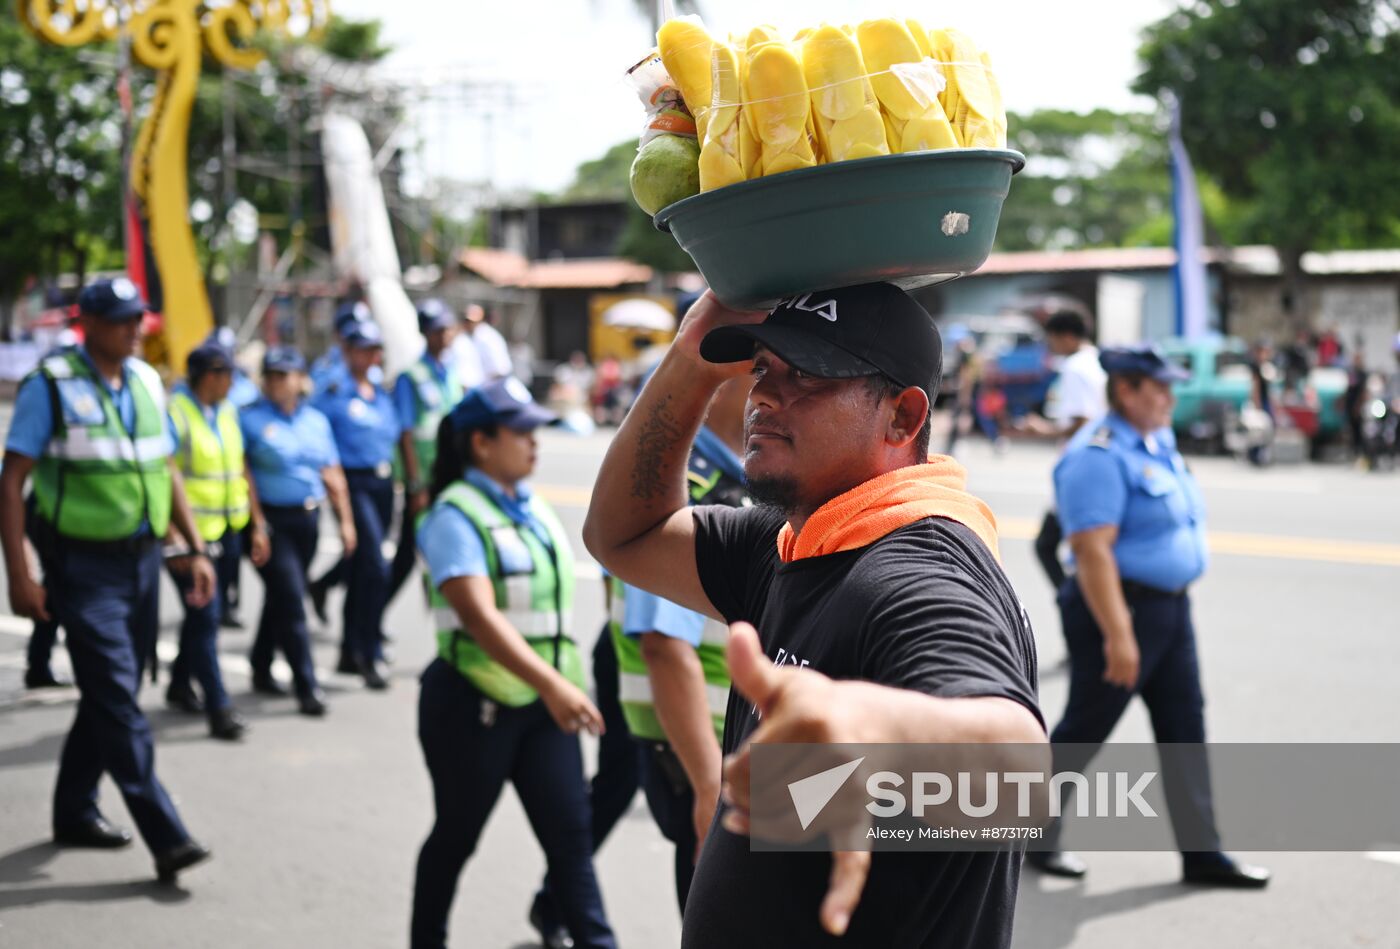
839	334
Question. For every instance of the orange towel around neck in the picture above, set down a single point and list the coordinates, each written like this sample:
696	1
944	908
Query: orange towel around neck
882	505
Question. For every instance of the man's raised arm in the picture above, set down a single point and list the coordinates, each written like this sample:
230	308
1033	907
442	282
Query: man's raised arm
638	526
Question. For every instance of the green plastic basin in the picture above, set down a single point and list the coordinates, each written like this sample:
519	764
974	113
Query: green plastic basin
913	220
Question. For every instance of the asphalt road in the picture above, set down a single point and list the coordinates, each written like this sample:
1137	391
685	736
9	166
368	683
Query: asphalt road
316	824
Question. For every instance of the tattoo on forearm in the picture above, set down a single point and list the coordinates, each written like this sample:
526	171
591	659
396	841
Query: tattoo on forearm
658	438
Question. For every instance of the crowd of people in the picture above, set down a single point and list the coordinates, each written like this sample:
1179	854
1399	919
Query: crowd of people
837	519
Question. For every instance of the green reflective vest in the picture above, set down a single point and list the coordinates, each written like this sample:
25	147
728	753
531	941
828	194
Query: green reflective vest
534	586
432	399
97	481
212	466
708	484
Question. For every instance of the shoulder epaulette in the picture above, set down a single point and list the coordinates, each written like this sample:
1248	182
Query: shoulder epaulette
1102	438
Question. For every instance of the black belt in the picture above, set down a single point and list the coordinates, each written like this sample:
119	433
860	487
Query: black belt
382	471
310	504
126	547
1132	589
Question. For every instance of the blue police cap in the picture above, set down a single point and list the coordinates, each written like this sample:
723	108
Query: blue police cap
283	359
433	314
501	402
115	300
365	335
1142	361
208	357
224	337
348	314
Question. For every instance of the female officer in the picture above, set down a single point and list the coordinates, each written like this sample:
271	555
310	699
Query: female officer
504	700
365	423
294	465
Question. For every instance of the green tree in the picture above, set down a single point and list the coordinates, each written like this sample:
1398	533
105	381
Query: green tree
607	178
1097	179
60	160
1294	110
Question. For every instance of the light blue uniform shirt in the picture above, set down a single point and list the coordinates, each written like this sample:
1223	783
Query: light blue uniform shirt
450	543
645	612
244	391
31	426
287	452
1111	474
406	393
366	430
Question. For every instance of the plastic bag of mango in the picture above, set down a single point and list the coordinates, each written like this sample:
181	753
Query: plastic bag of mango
764	104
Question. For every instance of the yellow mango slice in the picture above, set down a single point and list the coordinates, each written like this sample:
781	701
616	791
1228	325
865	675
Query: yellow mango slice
883	43
865	128
835	73
862	150
777	96
750	151
685	48
760	35
726	92
916	30
786	161
718	168
894	133
999	117
929	131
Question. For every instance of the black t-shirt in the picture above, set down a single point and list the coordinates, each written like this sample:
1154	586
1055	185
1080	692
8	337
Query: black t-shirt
925	608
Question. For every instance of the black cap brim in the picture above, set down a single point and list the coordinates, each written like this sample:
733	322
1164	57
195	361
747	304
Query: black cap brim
801	350
527	418
122	314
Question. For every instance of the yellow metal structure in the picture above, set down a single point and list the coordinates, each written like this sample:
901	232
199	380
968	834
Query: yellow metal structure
170	37
623	343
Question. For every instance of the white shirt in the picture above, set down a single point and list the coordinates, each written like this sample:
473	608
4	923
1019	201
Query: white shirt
492	349
466	359
1081	389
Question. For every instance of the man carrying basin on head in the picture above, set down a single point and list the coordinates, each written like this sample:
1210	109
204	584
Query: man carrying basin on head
872	578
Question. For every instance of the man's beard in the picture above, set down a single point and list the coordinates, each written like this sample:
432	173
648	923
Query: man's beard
775	492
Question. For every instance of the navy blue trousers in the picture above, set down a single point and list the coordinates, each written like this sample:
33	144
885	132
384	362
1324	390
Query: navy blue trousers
367	593
109	606
293	532
472	747
39	654
1169	681
226	569
199	637
615	783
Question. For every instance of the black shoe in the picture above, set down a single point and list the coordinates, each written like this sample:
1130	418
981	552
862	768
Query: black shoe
375	675
230	621
96	834
182	857
226	724
43	679
184	699
1224	871
553	935
1057	863
312	703
265	684
317	594
347	665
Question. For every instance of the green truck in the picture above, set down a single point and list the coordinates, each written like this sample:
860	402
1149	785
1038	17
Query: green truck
1208	404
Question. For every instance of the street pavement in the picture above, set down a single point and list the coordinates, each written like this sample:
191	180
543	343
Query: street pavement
315	825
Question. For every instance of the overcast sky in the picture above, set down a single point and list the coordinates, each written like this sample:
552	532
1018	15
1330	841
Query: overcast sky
565	66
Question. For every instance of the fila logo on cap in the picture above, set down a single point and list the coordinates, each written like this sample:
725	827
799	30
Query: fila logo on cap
826	309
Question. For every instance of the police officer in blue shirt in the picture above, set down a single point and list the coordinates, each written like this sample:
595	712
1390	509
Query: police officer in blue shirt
330	365
504	700
1136	526
366	428
90	425
295	467
424	393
